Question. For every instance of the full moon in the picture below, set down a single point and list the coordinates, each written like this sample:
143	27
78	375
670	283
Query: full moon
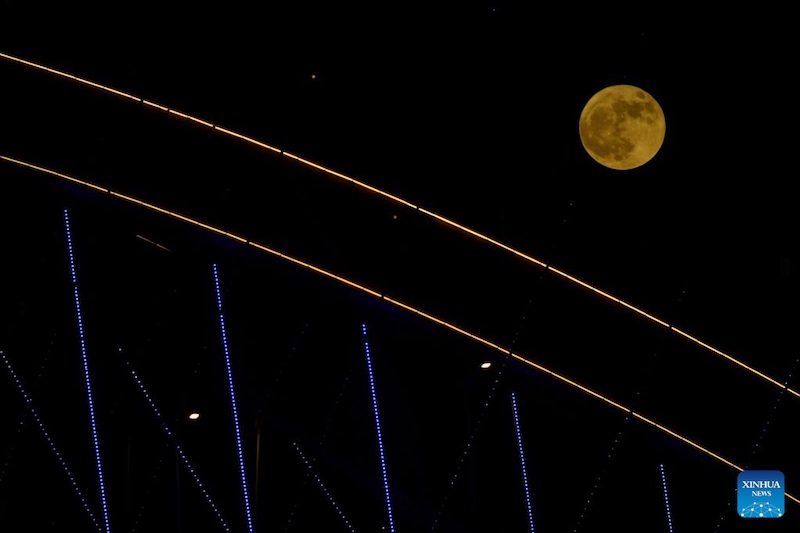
622	127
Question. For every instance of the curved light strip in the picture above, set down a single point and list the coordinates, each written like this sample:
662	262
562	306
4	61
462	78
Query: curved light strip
234	409
399	200
409	308
90	397
56	451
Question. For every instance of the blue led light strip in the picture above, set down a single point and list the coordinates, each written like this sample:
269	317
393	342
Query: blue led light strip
522	461
59	457
324	489
178	448
378	428
666	497
233	402
82	339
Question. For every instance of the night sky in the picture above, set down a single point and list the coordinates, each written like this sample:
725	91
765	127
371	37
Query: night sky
469	111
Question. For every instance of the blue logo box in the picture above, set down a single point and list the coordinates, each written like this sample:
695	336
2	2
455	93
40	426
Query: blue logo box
760	494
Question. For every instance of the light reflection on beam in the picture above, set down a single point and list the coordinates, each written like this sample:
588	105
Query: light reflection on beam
397	199
397	303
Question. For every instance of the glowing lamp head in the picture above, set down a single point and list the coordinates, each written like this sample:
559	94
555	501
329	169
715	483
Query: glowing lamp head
194	415
485	365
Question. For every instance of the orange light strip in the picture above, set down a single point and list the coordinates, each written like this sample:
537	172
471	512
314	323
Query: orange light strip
397	199
407	307
732	360
687	441
402	201
607	296
69	76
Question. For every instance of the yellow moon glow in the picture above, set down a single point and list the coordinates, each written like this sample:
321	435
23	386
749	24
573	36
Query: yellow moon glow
622	127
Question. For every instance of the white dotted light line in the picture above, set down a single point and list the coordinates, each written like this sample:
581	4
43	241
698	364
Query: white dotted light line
82	339
178	448
59	457
467	447
378	429
20	425
333	410
323	488
322	440
666	497
481	416
774	409
149	490
615	444
233	403
599	478
522	460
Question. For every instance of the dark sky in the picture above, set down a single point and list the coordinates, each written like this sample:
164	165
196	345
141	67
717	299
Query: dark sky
470	111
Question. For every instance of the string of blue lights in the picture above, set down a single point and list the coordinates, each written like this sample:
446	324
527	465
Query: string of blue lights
234	409
522	460
378	428
86	374
666	497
